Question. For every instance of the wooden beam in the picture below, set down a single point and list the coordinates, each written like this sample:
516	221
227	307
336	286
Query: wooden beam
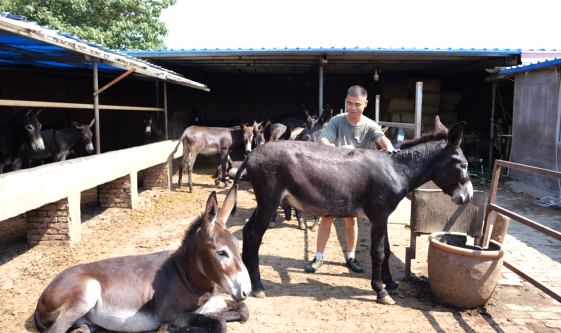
20	103
122	76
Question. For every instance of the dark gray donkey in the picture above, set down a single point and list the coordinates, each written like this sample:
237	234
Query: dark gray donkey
59	141
338	182
22	128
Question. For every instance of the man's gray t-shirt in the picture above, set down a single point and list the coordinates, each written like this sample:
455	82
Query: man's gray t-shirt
340	132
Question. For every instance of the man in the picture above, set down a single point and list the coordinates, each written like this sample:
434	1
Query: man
356	130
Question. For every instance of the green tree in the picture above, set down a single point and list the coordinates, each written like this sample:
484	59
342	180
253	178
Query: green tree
115	24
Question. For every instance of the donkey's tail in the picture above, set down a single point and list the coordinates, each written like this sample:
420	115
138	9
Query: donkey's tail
179	142
240	170
39	322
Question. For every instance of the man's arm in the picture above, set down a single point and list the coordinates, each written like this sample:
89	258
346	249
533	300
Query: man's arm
386	144
326	142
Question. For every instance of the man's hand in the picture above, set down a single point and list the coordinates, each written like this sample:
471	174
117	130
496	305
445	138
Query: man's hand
386	144
326	142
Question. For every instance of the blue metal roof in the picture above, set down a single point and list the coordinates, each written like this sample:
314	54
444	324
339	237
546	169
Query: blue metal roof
426	50
529	67
27	43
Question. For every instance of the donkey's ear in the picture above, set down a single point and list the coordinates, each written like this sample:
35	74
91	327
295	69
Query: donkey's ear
210	212
267	132
304	113
91	124
438	125
287	133
29	112
456	133
76	124
36	113
229	204
325	115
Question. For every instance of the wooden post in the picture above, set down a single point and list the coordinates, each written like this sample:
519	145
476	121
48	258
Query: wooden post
500	227
166	109
489	212
96	110
492	124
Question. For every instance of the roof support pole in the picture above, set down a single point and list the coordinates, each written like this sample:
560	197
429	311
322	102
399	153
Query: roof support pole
418	108
166	109
157	98
320	110
96	110
494	91
377	117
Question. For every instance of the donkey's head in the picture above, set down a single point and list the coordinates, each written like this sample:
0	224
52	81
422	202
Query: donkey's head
247	137
217	254
148	123
86	134
451	171
258	131
31	129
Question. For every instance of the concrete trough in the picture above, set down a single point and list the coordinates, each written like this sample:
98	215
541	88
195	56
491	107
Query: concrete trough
51	193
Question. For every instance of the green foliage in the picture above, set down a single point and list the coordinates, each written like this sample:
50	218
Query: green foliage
498	139
116	24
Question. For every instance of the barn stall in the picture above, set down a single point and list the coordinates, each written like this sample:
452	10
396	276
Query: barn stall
252	83
47	69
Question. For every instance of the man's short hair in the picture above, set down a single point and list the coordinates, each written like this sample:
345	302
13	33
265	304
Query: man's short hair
357	91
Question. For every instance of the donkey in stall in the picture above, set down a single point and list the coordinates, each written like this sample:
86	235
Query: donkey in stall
59	142
155	129
22	128
210	141
327	181
176	289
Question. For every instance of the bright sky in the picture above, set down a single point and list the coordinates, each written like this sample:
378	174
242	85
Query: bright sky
500	24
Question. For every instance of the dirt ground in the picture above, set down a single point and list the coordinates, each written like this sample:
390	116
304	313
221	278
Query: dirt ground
334	299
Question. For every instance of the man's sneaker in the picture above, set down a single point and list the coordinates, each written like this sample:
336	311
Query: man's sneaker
354	265
313	266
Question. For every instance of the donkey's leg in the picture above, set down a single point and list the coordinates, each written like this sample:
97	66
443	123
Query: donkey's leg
315	227
182	163
378	225
301	223
236	311
391	286
253	232
196	323
192	157
273	222
224	157
86	328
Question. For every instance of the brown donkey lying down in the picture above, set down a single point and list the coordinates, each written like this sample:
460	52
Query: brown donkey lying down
177	290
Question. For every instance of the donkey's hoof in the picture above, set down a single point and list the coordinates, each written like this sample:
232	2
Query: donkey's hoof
315	228
386	300
272	225
258	293
301	226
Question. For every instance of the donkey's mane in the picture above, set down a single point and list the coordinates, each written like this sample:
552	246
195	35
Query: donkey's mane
192	225
432	136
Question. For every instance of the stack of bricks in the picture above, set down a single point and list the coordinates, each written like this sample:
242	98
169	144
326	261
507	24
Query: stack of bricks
49	224
119	193
157	176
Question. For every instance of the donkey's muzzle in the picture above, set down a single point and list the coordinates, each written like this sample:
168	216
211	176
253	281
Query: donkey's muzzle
90	148
38	146
464	194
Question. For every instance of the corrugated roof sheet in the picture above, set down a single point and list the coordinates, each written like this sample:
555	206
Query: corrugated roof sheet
27	43
426	50
529	67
